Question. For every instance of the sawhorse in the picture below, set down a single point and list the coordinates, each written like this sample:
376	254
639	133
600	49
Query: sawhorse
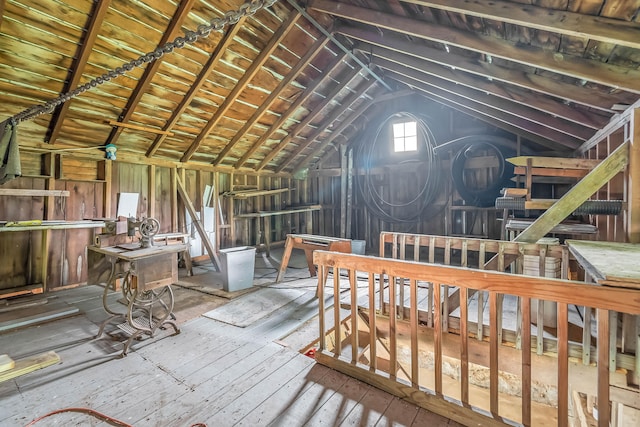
310	243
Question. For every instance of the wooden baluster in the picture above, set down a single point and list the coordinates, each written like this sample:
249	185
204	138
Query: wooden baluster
393	316
464	347
413	319
603	367
437	337
563	364
322	279
482	254
445	296
430	304
403	241
353	285
336	311
526	361
373	357
494	345
540	321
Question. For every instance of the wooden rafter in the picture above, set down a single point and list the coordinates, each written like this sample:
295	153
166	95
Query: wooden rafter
332	117
480	115
255	67
314	112
600	28
483	108
514	94
498	103
577	67
590	97
275	93
294	106
344	124
1	11
211	63
172	31
91	33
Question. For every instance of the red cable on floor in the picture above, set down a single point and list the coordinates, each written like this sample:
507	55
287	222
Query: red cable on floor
106	418
91	412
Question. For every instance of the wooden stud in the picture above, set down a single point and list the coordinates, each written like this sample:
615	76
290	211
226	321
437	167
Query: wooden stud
633	196
355	345
393	316
322	280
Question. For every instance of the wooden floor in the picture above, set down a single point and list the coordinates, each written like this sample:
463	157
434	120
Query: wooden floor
213	372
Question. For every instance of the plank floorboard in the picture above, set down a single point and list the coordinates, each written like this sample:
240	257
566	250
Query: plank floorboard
211	372
320	384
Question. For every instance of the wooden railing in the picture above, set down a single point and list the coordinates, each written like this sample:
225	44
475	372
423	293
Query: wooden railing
444	372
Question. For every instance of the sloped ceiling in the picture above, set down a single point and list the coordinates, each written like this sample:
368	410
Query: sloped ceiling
273	91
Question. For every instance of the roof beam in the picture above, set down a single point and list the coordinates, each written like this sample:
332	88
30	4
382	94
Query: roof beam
534	128
294	106
253	69
211	63
573	24
332	117
590	97
580	68
358	112
313	113
518	110
91	33
172	31
275	93
510	93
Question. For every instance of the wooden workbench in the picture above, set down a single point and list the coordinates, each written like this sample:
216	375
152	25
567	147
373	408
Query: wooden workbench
310	243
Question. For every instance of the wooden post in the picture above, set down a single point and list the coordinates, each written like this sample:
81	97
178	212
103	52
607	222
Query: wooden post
343	191
349	196
633	217
151	209
174	200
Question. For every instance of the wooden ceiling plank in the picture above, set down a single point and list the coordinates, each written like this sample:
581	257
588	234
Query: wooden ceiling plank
314	112
93	28
534	128
256	66
355	114
332	117
600	28
2	2
275	93
172	31
508	106
292	108
211	63
598	99
510	93
580	68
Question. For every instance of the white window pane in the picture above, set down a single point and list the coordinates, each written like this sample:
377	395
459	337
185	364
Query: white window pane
398	130
398	144
410	129
411	143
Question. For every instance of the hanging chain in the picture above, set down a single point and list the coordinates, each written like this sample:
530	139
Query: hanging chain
216	24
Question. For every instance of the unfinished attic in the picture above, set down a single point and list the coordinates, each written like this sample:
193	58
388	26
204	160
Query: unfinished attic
325	212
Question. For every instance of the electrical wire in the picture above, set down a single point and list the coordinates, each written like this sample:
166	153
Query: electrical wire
428	190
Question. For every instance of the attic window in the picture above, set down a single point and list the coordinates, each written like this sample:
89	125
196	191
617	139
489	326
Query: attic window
405	136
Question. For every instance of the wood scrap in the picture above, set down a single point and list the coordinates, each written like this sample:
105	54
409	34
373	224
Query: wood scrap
6	362
30	364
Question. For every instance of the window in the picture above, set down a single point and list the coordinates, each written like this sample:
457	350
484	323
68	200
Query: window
405	137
